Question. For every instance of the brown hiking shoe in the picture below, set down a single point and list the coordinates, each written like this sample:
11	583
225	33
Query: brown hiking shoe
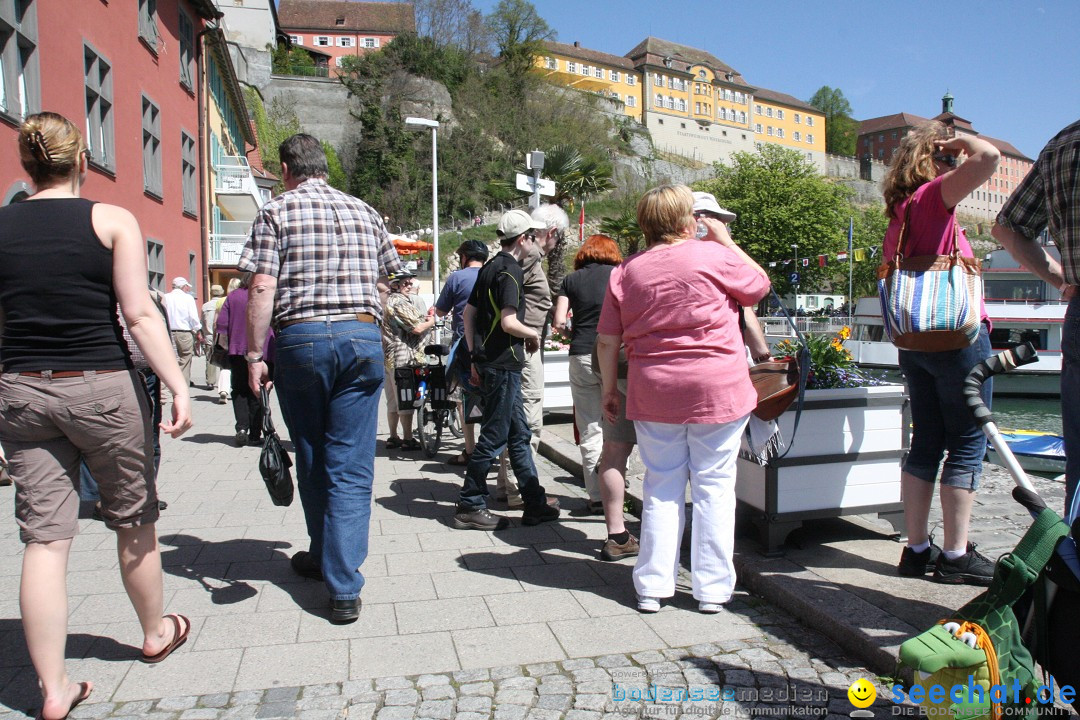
614	551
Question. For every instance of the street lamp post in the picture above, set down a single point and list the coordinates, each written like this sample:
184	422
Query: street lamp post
417	123
795	285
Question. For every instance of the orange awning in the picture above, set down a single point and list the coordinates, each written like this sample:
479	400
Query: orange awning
411	245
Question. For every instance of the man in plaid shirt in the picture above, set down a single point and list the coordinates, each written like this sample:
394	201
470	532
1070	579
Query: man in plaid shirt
317	255
1049	197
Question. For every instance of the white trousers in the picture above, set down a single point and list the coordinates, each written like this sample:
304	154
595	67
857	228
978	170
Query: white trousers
587	393
706	455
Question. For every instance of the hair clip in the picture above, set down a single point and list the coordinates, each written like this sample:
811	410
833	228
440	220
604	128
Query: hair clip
37	142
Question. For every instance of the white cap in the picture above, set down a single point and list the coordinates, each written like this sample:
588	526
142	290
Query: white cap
705	202
517	222
180	282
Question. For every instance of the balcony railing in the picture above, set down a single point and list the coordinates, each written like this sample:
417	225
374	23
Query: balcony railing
235	187
227	242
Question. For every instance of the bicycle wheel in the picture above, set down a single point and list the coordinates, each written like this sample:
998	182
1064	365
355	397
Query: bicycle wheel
453	424
430	424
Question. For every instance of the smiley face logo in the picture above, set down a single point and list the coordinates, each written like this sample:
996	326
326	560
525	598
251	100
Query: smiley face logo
862	693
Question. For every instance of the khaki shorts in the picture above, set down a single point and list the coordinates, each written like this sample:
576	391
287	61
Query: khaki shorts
622	430
48	425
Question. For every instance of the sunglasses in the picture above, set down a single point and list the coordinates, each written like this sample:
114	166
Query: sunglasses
945	159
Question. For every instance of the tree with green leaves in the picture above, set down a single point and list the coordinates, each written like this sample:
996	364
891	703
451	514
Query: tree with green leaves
624	230
782	200
518	32
841	131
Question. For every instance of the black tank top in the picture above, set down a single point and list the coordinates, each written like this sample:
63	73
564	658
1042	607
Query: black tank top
56	290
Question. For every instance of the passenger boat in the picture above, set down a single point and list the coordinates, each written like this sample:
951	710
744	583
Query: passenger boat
1021	308
1036	452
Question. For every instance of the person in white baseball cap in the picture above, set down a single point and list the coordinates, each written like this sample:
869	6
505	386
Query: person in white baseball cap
515	223
705	204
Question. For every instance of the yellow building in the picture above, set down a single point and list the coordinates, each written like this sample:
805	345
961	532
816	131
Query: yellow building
693	104
785	120
611	76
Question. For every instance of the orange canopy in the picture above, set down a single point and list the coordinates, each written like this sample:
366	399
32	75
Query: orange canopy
414	245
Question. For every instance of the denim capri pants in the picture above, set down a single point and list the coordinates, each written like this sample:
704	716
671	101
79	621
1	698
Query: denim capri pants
943	425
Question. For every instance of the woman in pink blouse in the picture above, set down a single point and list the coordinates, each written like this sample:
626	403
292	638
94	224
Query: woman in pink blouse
675	306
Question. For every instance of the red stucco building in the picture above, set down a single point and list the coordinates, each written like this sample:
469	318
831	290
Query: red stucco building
127	73
333	29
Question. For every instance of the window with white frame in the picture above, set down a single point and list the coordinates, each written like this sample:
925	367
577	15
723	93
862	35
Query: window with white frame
669	103
810	120
571	66
631	101
742	116
616	76
631	80
337	61
371	42
657	79
681	105
151	147
757	128
99	103
796	136
779	132
20	75
148	18
345	42
598	72
187	50
671	83
297	39
798	118
769	131
739	98
322	40
768	112
585	69
155	263
810	138
551	63
697	108
779	114
189	179
757	109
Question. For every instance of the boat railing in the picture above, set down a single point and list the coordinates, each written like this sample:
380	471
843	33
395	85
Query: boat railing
778	326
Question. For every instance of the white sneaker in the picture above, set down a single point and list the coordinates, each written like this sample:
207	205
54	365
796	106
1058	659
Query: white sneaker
223	397
647	604
709	608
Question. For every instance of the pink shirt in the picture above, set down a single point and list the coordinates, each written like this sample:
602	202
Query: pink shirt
676	308
930	227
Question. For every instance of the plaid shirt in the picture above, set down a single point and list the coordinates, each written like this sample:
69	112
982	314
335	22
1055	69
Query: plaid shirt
1050	197
326	249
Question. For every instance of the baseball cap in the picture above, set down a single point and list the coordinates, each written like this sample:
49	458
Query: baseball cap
705	202
180	282
517	222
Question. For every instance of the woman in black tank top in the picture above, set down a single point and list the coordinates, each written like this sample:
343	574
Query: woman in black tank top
68	394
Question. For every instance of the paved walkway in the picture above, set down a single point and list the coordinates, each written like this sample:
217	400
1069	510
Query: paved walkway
520	623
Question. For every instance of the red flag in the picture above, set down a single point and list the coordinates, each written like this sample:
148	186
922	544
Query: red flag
806	262
841	256
821	260
581	223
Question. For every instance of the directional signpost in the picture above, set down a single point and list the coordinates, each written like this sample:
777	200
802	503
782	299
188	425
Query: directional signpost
536	186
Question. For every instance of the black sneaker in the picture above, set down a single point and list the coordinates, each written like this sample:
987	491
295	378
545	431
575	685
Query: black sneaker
913	564
469	517
536	514
241	438
304	564
971	568
343	612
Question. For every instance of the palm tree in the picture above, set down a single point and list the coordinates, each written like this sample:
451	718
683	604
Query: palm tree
624	230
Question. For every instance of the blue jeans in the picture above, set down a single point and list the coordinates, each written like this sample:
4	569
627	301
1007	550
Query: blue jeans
941	420
1070	397
329	377
503	426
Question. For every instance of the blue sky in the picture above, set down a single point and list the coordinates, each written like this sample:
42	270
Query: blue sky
1013	67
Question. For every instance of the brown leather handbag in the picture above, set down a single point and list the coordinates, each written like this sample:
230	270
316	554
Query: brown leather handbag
776	382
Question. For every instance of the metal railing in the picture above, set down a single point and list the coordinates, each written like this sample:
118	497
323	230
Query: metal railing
226	249
233	175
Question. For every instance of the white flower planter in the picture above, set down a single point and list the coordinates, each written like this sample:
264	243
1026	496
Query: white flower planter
845	460
557	380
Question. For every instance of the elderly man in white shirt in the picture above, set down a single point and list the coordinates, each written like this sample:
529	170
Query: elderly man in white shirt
185	325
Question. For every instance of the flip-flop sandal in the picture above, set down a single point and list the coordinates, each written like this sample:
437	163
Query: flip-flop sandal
85	690
459	459
179	638
410	445
393	443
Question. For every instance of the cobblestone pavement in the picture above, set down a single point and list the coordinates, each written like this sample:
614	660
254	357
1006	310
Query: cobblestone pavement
521	623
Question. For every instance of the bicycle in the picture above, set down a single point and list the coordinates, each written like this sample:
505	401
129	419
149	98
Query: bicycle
434	409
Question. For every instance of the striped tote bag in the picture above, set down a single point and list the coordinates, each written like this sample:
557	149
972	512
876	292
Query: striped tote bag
930	303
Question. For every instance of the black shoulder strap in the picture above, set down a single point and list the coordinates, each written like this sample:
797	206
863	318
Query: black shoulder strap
804	371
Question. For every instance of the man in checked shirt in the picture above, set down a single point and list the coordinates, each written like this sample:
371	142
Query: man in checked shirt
317	255
1049	197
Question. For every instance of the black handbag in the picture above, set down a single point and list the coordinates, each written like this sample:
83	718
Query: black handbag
274	462
218	355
